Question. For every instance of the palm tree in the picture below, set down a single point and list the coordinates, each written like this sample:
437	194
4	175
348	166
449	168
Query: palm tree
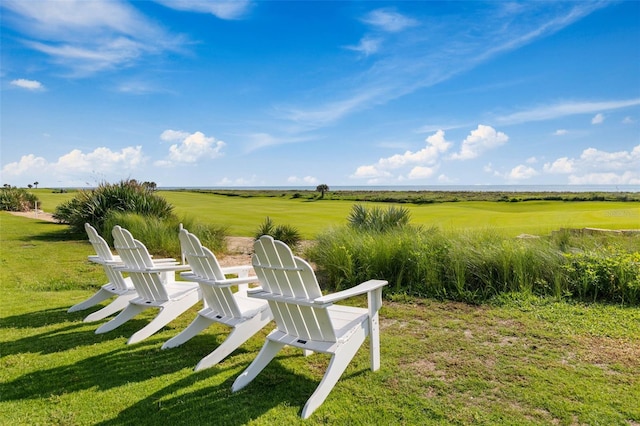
36	184
322	188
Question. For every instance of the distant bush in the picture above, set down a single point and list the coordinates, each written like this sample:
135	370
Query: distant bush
160	236
286	233
378	219
476	266
16	199
95	205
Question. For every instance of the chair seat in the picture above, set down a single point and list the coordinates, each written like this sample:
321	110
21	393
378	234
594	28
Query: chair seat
249	308
176	291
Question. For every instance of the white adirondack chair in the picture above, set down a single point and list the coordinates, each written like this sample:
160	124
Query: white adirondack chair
117	286
246	316
155	284
308	320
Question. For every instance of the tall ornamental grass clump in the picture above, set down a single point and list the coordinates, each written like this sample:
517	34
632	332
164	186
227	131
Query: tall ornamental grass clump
473	266
14	199
160	236
95	205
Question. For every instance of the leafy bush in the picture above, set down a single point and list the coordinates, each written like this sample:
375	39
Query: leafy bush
94	206
474	266
378	219
608	273
17	199
160	236
286	233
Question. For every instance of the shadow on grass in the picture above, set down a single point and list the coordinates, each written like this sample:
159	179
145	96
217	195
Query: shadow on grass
62	234
276	385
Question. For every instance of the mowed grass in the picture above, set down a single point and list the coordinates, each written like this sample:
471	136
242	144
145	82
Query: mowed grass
243	215
519	360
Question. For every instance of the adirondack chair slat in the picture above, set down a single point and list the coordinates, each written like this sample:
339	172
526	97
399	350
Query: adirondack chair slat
307	320
246	316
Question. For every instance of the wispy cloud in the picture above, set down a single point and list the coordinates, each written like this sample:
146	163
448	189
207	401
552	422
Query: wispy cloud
598	119
550	112
389	20
225	9
423	57
367	46
88	36
32	85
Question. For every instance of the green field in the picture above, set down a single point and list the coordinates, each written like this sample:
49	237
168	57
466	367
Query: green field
243	215
520	360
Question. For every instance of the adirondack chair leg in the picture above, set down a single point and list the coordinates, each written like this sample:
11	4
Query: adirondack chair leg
129	312
237	337
266	354
119	304
375	303
100	296
165	316
339	362
196	326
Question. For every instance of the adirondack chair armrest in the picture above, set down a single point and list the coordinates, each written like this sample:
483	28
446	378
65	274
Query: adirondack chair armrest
97	259
190	276
165	260
259	293
365	287
240	270
155	268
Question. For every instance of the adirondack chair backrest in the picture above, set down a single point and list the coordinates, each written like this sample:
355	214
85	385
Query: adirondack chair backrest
99	244
204	264
104	254
283	274
135	255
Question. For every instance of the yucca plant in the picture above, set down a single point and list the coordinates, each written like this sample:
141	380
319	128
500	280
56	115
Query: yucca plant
95	205
16	199
378	219
288	234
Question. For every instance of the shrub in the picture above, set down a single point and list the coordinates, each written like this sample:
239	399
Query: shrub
378	219
286	233
475	266
16	199
160	236
94	206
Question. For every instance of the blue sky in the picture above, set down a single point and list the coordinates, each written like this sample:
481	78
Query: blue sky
276	93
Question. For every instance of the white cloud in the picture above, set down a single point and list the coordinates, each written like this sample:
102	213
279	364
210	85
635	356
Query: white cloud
598	119
422	172
531	160
480	140
436	145
191	148
367	46
551	112
628	120
27	84
309	180
521	172
600	167
560	166
241	181
389	20
225	9
77	166
561	132
88	36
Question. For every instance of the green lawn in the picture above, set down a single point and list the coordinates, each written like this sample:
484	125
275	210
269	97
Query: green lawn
243	215
516	361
